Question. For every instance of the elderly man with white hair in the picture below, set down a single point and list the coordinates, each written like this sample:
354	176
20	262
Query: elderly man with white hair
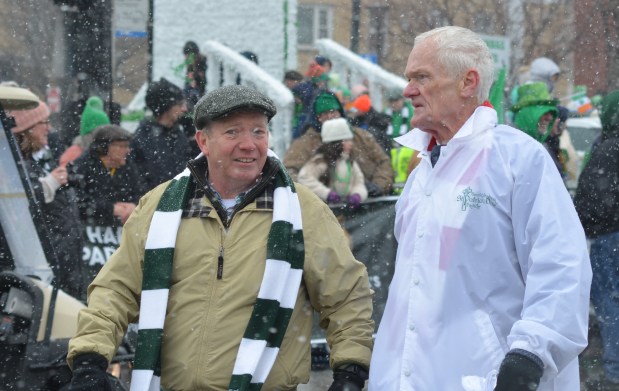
492	277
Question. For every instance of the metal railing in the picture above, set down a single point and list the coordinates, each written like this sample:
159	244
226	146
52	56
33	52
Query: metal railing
226	67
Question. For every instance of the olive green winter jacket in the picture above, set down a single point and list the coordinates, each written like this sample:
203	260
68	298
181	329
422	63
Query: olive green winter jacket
207	313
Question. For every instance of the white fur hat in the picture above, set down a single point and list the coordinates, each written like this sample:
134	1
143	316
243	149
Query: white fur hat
335	130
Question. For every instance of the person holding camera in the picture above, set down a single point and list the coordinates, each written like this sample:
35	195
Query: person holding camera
108	188
57	200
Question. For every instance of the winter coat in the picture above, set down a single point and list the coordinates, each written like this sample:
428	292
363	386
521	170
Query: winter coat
64	229
159	152
99	191
376	124
314	175
206	315
491	257
597	194
374	163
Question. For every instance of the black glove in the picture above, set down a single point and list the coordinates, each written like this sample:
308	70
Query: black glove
349	377
90	373
520	370
373	189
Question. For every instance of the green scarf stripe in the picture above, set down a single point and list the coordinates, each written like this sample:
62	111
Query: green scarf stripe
149	344
255	386
174	196
241	382
281	323
157	269
278	243
283	179
262	317
296	257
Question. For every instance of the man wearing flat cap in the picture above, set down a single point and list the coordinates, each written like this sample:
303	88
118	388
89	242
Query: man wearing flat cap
224	266
160	147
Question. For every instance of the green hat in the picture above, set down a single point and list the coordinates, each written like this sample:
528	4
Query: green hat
533	94
93	115
609	114
326	102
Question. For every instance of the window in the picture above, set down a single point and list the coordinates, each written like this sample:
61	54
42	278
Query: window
313	22
377	33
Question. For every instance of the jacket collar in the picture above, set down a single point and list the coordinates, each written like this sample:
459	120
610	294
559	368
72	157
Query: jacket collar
482	118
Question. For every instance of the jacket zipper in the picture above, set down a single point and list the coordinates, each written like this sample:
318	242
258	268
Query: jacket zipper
220	263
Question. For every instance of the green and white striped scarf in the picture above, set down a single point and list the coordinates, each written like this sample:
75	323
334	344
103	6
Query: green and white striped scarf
274	304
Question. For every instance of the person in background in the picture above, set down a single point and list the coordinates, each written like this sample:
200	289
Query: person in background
401	112
597	203
373	161
553	142
160	147
92	116
546	71
305	92
541	70
361	114
195	74
109	186
252	257
292	78
535	112
403	159
492	274
331	173
57	199
324	62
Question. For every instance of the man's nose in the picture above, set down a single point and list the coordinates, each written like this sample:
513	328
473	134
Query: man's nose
246	141
410	90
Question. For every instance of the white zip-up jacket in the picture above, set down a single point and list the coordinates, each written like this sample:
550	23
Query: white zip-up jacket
491	257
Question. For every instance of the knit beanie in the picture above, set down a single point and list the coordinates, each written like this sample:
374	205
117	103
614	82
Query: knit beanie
336	130
362	104
93	115
162	95
326	102
26	119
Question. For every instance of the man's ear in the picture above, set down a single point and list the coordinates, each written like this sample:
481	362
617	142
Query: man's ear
201	139
470	83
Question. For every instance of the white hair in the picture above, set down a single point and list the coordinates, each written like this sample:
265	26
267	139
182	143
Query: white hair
457	50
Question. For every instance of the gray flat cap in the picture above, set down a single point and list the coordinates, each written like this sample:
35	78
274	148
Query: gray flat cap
226	99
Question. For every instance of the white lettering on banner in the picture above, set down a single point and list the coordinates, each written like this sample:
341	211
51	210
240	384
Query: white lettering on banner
96	257
103	234
101	244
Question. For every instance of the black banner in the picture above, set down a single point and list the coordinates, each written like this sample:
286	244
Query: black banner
370	231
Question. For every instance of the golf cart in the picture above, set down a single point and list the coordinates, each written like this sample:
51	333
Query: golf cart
36	318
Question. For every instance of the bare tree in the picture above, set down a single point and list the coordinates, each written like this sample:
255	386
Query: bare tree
28	54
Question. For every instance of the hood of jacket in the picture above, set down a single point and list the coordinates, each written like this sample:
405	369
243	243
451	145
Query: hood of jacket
542	69
609	115
528	117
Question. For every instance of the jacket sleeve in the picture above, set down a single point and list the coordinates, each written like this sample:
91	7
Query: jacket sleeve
113	296
309	176
373	161
300	151
553	259
337	284
358	182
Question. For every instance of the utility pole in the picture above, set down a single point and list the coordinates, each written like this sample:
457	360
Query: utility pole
354	28
149	31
